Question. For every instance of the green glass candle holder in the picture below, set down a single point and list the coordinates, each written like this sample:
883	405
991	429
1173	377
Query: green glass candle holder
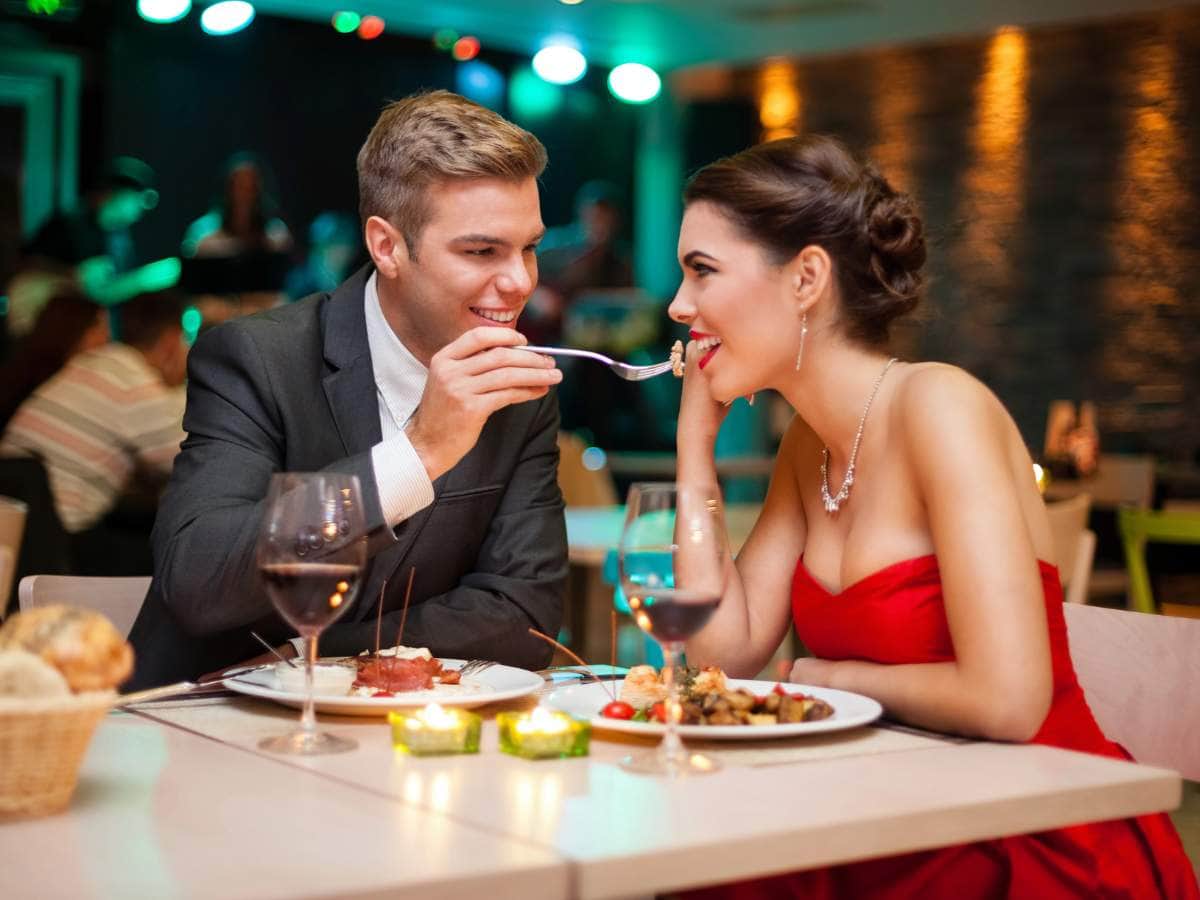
434	731
543	734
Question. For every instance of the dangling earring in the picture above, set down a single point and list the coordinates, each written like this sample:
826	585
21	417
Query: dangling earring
803	335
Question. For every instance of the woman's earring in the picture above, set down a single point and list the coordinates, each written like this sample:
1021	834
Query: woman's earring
803	335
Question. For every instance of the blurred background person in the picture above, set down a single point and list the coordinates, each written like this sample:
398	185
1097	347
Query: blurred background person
107	428
237	254
334	249
68	324
585	255
243	219
92	247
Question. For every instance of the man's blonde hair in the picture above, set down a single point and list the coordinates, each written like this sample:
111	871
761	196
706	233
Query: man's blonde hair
432	136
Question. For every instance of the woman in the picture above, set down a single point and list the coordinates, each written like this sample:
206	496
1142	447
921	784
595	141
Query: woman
902	529
243	219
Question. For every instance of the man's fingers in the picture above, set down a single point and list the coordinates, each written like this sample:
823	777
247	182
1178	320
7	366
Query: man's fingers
482	338
509	378
500	399
505	357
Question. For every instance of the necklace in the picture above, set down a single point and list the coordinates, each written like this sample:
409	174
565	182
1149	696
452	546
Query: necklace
834	502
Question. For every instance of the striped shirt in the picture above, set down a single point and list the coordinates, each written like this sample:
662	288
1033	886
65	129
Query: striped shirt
106	415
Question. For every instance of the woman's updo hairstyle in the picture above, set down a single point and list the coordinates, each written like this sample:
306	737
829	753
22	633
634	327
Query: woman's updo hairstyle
792	193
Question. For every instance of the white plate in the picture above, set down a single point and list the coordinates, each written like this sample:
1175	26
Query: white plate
493	683
585	701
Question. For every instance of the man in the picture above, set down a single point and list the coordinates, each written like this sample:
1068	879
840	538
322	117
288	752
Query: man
407	376
92	247
107	424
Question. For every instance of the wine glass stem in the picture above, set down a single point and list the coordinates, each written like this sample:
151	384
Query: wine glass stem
308	719
671	747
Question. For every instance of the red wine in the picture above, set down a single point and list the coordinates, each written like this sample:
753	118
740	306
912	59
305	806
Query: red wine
310	595
671	615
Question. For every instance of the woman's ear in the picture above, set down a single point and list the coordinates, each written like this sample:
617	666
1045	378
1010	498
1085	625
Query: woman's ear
811	272
386	245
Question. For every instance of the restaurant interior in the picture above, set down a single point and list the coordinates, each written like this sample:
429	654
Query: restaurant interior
1049	147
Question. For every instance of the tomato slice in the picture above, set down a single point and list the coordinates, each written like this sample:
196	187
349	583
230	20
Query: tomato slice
618	709
658	712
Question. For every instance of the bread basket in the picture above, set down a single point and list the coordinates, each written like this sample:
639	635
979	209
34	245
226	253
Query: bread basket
42	745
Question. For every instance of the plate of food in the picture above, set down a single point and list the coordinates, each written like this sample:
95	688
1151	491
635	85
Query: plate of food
715	707
370	685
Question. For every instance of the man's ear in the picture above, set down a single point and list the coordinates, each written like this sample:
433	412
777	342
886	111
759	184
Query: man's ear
386	245
811	273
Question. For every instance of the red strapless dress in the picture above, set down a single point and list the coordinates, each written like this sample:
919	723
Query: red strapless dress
896	616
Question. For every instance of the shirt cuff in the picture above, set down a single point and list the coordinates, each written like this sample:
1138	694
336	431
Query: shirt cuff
400	477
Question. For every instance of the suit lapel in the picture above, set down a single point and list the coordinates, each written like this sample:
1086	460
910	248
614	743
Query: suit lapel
349	380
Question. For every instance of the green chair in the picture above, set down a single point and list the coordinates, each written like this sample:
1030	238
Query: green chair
1137	526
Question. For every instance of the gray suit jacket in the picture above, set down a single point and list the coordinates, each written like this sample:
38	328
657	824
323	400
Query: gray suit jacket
292	389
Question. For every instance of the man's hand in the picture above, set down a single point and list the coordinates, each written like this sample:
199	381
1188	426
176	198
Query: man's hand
469	379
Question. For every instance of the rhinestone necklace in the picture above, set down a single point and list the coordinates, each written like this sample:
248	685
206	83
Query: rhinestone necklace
834	502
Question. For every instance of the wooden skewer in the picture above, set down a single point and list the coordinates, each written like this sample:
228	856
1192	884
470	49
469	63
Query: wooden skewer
612	642
571	653
379	617
404	610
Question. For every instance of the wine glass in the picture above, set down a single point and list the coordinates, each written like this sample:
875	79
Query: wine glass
672	567
311	551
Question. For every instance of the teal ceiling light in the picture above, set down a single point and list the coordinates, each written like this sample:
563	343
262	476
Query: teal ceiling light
226	17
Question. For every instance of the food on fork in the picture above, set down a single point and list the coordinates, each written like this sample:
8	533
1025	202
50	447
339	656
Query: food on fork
706	699
677	359
81	644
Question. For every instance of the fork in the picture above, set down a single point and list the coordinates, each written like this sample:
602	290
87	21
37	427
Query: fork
626	371
474	667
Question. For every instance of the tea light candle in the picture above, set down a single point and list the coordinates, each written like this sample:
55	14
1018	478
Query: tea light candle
543	734
434	731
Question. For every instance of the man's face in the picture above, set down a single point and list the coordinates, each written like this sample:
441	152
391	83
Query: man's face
474	263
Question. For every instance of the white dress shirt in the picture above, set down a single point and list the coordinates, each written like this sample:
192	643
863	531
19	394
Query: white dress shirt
404	485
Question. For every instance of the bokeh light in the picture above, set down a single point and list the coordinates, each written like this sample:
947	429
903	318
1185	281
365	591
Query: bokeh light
162	12
634	83
345	21
480	82
226	17
444	38
529	97
559	64
371	27
465	48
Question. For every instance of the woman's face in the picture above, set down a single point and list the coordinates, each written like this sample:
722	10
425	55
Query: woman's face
739	308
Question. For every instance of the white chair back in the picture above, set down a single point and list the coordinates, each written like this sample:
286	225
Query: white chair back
1141	676
12	529
1074	544
120	599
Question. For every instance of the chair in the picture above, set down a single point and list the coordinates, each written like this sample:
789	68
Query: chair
1137	526
120	599
1074	544
1141	675
46	546
583	477
12	528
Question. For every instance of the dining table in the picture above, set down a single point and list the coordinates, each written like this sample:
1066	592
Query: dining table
176	799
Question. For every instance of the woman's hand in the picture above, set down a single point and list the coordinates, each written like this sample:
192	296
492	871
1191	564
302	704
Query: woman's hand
812	671
700	416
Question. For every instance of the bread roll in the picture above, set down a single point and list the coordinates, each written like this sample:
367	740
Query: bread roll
24	675
80	643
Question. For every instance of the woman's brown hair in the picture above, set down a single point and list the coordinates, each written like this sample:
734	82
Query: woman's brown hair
789	194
